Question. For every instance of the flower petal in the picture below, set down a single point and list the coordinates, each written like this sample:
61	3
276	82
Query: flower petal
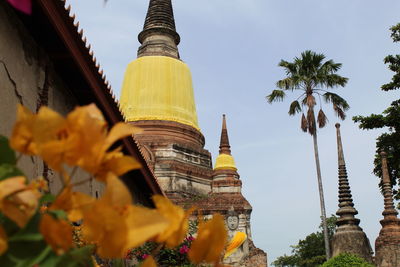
120	130
3	240
210	241
178	227
149	262
22	135
144	224
57	233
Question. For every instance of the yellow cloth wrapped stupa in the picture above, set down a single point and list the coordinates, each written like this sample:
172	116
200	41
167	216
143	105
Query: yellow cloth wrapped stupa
158	88
158	85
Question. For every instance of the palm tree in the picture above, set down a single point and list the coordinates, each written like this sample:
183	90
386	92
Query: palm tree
309	74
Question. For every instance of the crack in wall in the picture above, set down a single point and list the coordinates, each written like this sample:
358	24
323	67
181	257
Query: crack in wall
17	94
43	100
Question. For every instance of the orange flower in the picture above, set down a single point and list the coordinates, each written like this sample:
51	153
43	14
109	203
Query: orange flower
22	134
210	241
149	262
17	200
72	202
88	143
57	233
178	219
3	240
115	225
81	139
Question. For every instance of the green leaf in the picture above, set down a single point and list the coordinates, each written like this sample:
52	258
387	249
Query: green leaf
117	263
7	155
58	214
276	95
47	198
26	237
75	257
30	233
8	170
294	108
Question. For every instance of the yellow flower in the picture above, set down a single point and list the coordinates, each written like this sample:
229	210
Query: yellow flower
89	142
149	262
3	240
178	219
235	243
57	233
210	241
81	139
50	134
17	200
22	134
72	202
115	225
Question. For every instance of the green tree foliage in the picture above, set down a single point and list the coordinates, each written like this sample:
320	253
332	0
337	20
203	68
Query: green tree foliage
310	251
346	260
311	75
390	119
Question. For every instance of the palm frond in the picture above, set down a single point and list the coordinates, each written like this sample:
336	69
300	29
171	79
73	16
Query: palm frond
294	108
304	123
285	84
337	100
334	80
276	95
311	121
322	119
339	112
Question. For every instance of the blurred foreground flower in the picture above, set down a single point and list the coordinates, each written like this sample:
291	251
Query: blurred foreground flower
81	139
22	5
109	226
179	225
115	225
210	241
18	201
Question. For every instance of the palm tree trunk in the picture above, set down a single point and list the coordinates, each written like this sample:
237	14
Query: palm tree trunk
321	197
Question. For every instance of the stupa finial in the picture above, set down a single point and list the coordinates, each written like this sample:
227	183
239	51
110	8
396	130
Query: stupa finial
159	36
224	147
389	212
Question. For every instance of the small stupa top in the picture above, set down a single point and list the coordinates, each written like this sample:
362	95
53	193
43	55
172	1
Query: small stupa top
225	160
158	85
159	18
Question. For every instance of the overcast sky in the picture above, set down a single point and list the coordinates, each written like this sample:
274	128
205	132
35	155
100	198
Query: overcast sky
232	48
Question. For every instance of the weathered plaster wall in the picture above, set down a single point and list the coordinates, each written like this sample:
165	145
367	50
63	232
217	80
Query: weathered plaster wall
27	77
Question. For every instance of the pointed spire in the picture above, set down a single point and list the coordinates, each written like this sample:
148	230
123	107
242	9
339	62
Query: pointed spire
159	36
389	213
346	210
224	147
349	237
387	245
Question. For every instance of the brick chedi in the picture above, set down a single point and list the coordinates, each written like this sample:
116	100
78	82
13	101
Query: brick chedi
387	245
226	198
349	237
157	96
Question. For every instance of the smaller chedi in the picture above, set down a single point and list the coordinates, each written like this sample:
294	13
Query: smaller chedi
349	236
387	245
226	198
